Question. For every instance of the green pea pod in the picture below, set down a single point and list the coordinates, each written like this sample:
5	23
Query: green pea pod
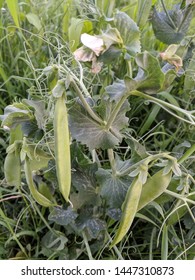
41	199
129	208
62	147
154	187
12	168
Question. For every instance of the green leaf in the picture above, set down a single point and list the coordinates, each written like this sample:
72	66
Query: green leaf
116	90
16	114
166	28
13	9
84	129
150	77
84	181
74	32
39	111
113	188
63	217
189	82
129	32
144	8
92	223
54	241
34	20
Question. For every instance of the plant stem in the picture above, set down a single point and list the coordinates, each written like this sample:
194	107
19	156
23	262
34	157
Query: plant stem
4	217
85	104
115	112
115	247
187	154
178	196
189	9
87	246
112	160
167	14
164	105
148	159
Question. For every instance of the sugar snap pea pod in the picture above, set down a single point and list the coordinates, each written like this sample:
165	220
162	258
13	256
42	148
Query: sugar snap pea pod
12	168
62	147
41	199
154	187
129	209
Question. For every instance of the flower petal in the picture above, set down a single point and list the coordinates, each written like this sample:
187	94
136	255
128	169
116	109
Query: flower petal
83	54
92	42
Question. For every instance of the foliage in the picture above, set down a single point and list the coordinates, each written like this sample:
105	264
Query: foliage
125	78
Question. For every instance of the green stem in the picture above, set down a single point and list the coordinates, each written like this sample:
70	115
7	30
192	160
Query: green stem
115	247
165	105
189	8
178	196
4	217
87	246
129	69
85	104
145	160
112	160
115	111
167	14
187	154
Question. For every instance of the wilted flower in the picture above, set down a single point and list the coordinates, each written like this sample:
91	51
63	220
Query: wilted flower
94	46
172	58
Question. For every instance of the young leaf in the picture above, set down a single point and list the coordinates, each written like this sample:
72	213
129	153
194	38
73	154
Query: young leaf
129	209
34	20
129	32
74	32
150	77
15	114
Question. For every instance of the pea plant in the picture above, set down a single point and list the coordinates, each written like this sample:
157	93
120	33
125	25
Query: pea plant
94	148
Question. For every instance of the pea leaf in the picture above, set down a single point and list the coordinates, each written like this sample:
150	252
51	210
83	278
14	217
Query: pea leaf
150	77
113	188
84	129
39	110
84	181
53	241
16	114
62	217
116	90
129	32
34	20
92	223
166	28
